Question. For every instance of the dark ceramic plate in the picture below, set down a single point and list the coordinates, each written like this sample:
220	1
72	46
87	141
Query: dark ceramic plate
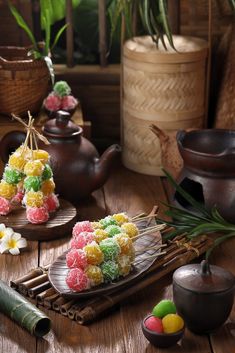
58	270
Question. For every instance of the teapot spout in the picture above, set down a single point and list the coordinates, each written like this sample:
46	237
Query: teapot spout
103	165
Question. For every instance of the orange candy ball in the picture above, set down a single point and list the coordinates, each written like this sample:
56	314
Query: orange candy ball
48	187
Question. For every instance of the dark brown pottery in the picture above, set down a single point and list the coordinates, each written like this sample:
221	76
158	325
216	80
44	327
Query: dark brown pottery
161	340
203	296
209	169
76	165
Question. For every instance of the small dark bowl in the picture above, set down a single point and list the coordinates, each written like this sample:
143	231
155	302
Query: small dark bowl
161	340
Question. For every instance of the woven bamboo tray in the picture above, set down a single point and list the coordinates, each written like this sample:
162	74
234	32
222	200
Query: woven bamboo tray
36	285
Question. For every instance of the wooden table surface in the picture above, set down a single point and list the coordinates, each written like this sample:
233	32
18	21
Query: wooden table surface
119	330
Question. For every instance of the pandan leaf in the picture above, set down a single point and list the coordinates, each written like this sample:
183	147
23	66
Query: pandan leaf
58	35
21	23
165	22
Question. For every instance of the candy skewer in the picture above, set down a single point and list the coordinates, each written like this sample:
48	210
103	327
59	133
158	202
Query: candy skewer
146	217
137	216
150	230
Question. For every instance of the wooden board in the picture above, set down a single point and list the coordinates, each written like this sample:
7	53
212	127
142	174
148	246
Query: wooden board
59	224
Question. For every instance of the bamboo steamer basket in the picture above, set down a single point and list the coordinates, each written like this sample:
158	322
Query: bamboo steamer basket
165	88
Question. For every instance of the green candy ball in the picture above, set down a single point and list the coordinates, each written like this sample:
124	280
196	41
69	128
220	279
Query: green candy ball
12	176
61	88
110	249
32	183
109	270
113	230
108	221
163	308
47	172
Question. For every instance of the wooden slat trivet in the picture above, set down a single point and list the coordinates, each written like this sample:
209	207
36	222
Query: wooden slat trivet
178	253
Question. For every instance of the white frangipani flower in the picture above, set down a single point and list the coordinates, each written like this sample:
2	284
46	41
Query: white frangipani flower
4	231
12	242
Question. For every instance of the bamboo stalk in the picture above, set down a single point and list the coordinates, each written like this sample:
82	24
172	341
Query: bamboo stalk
32	274
25	286
48	301
65	307
41	296
32	292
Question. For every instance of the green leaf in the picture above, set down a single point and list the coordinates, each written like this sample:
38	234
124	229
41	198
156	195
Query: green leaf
21	23
58	35
165	22
217	242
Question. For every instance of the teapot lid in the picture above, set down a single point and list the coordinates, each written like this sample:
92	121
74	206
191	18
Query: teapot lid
203	278
61	126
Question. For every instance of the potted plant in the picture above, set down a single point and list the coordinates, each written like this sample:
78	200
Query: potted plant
25	72
163	82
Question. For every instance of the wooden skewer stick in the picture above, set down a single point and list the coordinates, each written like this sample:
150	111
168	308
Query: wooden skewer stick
146	217
150	230
150	257
155	247
137	216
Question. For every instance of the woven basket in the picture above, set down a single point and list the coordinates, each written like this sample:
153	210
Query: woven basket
165	88
24	82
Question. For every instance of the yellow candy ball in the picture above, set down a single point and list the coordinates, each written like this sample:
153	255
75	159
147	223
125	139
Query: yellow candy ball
124	265
94	274
121	218
41	155
24	151
93	254
33	168
130	229
34	199
7	190
48	187
172	323
96	225
100	234
124	242
16	161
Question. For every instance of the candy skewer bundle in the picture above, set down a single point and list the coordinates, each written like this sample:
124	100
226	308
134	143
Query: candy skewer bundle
102	251
28	179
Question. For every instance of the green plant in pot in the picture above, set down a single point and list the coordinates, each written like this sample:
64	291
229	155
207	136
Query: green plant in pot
32	67
163	82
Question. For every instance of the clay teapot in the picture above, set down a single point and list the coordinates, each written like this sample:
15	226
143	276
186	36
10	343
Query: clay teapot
76	165
203	295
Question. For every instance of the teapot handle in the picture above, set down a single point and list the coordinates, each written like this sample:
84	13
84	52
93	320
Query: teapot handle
9	143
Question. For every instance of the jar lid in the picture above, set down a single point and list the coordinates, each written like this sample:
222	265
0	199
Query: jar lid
61	126
203	278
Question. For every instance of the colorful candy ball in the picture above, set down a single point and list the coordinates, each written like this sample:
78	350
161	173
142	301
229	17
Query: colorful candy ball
153	323
48	187
41	155
130	229
32	183
124	265
172	323
110	270
12	176
113	230
51	202
77	280
163	308
93	253
34	199
76	258
110	249
81	240
108	221
96	225
5	206
121	218
47	172
125	243
84	226
17	161
33	168
7	191
99	235
94	275
37	215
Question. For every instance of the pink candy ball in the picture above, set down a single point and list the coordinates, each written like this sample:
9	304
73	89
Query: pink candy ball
79	227
52	102
154	324
51	203
76	258
37	215
81	240
68	102
5	206
77	280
